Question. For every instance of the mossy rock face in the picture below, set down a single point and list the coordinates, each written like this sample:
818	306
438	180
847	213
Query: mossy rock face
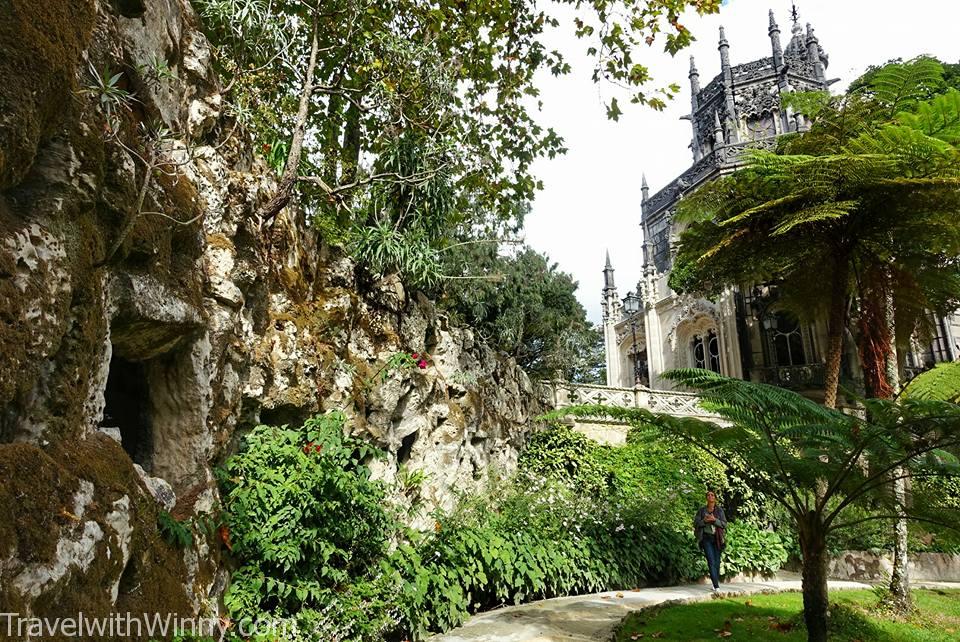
38	506
40	46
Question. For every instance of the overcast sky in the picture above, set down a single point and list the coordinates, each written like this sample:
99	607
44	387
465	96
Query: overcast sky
591	197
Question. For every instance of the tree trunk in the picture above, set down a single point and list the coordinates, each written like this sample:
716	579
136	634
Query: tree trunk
835	325
813	546
291	168
900	598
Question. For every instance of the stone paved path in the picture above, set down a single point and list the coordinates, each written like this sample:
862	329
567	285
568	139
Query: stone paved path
592	618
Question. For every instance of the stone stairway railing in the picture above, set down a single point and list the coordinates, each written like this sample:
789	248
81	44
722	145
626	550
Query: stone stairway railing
680	404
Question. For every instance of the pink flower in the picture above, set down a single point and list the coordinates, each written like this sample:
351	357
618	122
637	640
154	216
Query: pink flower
422	364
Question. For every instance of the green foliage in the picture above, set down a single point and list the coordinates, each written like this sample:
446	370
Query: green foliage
940	383
808	458
565	455
524	306
536	538
105	87
175	532
385	249
420	123
865	201
311	532
753	551
304	518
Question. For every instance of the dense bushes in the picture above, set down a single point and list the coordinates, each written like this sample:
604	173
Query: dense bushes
319	546
306	522
538	539
752	551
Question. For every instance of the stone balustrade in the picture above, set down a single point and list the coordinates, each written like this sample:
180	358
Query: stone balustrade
681	404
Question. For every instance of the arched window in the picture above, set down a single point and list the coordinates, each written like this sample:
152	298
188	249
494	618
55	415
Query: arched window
706	351
787	340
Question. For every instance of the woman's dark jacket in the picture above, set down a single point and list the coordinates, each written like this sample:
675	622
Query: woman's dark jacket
698	522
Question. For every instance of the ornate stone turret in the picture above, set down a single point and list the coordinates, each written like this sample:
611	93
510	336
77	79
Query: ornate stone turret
645	194
694	105
774	32
717	130
815	54
608	283
612	312
731	115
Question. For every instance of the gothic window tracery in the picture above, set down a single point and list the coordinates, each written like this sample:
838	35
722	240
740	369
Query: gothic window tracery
706	351
787	339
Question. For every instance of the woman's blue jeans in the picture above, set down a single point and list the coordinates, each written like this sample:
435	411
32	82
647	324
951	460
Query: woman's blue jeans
713	559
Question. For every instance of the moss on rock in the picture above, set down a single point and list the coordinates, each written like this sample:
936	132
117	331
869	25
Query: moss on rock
40	46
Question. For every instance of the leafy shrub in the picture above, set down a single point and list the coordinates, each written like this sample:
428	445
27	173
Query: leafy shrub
752	551
565	455
304	518
537	538
311	532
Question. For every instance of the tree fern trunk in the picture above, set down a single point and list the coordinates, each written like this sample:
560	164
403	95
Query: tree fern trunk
813	546
835	325
900	598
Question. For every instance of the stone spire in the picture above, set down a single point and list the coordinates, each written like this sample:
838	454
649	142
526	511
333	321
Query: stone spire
727	72
608	283
813	54
645	191
694	80
774	32
694	105
717	130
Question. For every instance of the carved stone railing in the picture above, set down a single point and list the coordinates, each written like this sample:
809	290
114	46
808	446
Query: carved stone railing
680	404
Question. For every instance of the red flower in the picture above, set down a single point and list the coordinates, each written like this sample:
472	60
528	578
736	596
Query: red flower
415	356
422	364
308	447
317	448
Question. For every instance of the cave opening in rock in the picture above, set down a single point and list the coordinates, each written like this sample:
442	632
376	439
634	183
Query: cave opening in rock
406	448
127	408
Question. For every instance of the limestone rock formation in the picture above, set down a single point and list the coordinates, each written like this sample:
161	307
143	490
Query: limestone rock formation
146	321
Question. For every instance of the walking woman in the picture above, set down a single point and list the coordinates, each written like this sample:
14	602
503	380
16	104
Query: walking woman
709	518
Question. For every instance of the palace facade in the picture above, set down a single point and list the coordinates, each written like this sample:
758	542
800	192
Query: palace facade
744	333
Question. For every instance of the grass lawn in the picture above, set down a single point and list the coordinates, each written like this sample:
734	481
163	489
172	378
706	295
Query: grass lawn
778	617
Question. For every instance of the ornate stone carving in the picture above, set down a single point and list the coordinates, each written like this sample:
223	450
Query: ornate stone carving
695	315
755	101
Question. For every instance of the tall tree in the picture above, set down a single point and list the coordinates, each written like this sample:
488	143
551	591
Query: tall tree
528	309
329	86
867	201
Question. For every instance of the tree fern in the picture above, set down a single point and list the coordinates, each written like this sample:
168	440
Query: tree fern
939	118
899	87
940	383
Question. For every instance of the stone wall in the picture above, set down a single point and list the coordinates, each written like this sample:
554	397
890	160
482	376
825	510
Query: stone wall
138	343
871	566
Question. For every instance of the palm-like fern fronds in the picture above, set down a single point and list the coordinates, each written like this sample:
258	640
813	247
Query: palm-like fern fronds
797	445
939	118
899	87
940	383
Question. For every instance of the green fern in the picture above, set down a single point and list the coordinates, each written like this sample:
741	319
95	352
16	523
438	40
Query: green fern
940	383
899	87
175	532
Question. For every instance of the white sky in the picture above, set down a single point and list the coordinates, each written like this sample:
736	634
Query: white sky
591	197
